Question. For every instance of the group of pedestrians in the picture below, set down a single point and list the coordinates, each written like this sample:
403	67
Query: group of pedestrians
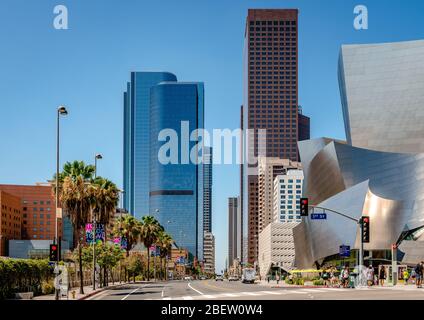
374	278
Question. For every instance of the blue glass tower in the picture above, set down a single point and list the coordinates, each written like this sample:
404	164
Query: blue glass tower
136	139
176	189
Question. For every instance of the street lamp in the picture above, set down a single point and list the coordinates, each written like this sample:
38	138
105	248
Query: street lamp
61	111
98	156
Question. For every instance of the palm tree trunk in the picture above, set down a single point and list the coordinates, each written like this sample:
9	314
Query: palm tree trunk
148	263
80	267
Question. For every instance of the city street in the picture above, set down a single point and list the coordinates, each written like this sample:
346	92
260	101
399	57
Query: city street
212	290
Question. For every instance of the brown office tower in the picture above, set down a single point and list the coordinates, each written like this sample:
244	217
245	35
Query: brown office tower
270	98
10	220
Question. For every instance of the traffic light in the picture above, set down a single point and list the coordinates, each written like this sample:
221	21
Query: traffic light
304	207
53	252
365	229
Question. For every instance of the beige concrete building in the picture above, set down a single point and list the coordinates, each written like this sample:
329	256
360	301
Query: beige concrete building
209	253
276	247
268	169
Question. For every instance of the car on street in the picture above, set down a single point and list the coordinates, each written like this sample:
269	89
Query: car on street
219	277
202	278
233	278
188	278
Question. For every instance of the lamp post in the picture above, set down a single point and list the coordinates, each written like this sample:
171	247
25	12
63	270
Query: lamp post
98	156
61	111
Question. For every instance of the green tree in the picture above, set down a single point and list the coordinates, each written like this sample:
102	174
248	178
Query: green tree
165	242
129	227
150	229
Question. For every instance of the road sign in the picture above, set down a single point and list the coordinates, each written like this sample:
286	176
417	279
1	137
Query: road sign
344	251
318	216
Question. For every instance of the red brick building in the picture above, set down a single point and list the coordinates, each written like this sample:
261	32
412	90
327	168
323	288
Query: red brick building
37	206
10	220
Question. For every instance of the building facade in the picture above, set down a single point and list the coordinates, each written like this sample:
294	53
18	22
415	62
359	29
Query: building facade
276	247
137	139
234	230
176	182
38	212
379	172
209	253
287	194
207	189
10	220
270	100
269	169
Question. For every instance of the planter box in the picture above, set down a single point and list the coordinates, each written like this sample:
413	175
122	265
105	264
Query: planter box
24	295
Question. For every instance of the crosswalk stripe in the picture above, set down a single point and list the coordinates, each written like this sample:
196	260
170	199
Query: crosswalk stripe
167	298
187	298
294	291
208	296
231	295
273	292
251	293
312	290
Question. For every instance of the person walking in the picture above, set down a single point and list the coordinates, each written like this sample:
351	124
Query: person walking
370	276
419	274
382	275
345	276
325	277
405	276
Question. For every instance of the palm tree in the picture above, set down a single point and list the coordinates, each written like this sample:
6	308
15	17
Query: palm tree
75	198
129	227
165	243
150	229
105	197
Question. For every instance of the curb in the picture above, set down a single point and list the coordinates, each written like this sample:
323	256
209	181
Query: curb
107	288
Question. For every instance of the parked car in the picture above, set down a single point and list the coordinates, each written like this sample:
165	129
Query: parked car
188	278
233	278
219	277
202	278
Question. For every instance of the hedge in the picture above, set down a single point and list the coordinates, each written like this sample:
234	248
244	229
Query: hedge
23	275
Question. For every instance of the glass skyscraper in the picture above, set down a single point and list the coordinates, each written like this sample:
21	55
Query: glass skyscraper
176	189
136	139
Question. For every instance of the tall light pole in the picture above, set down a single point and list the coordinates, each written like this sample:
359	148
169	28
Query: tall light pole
98	156
61	111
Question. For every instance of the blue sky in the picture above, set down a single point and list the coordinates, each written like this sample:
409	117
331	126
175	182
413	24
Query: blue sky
87	66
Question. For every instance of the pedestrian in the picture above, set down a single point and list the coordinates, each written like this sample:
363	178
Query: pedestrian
278	278
382	274
267	278
419	274
325	277
405	276
345	276
370	276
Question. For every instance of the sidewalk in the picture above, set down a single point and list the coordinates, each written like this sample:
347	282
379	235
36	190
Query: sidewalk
88	292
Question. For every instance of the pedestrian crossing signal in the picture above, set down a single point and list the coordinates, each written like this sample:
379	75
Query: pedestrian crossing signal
304	207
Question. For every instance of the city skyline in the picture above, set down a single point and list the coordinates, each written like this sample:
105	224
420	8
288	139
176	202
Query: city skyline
30	116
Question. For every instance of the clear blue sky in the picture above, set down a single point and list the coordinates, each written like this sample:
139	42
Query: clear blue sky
87	66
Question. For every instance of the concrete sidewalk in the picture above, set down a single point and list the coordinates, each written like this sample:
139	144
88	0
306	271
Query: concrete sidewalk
88	292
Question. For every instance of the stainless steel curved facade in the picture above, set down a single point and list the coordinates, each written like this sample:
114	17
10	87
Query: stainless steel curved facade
382	93
380	171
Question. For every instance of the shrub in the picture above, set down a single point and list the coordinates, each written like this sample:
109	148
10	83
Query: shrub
289	281
47	287
318	282
299	281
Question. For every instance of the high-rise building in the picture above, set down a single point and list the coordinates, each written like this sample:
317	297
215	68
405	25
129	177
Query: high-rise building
207	189
269	168
10	220
209	253
270	99
234	230
176	179
287	195
137	139
304	125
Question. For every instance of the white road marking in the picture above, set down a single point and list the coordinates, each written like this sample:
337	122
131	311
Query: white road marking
208	296
312	290
130	293
167	298
273	292
187	298
251	293
294	291
231	295
189	285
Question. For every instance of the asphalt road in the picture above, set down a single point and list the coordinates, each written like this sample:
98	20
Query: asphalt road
225	290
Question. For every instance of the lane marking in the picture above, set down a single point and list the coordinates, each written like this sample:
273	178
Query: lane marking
312	290
293	291
189	285
187	298
272	292
167	298
230	295
130	293
251	293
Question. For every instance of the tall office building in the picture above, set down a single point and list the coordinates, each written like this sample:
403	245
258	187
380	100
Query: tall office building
207	190
136	139
234	230
209	253
176	186
270	99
